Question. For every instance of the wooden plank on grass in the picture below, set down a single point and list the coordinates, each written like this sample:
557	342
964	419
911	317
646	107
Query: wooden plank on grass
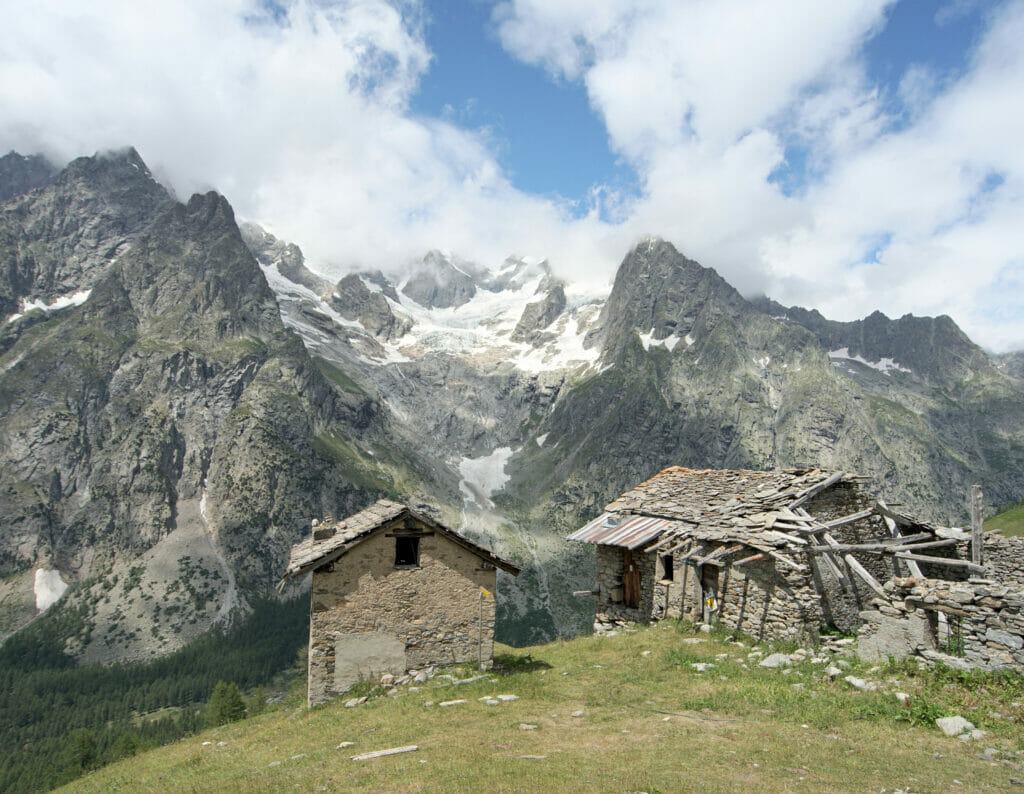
381	753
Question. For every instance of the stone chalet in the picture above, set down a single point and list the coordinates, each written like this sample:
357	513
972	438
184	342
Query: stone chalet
785	554
393	590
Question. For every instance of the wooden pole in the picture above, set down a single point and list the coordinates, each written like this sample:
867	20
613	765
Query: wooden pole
480	636
977	516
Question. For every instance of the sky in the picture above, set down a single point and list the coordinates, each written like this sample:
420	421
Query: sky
846	156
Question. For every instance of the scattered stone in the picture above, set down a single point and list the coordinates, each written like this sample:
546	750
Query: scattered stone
843	664
694	641
207	744
798	687
353	702
798	655
577	713
507	698
954	726
973	735
222	744
489	701
429	703
861	684
833	672
705	628
722	656
274	763
420	677
700	667
529	757
646	653
525	726
902	697
343	745
297	757
775	660
444	703
387	680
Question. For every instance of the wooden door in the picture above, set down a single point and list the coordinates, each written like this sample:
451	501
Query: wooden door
630	580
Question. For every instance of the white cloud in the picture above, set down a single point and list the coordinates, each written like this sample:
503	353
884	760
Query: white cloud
303	121
908	214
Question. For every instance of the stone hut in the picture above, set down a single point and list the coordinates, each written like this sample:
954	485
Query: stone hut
778	554
393	590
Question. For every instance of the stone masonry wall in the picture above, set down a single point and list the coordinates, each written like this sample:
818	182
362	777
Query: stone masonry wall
1002	557
611	611
976	624
369	617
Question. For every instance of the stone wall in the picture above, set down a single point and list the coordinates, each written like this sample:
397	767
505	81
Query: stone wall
611	611
971	625
369	617
1002	557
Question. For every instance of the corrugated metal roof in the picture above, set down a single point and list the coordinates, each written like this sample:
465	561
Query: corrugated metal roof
610	529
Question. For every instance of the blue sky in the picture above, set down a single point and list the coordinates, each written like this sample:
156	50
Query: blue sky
848	156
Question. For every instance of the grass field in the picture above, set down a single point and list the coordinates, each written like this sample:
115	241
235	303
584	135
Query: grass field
1009	522
627	713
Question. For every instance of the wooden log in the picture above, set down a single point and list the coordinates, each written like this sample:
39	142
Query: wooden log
838	522
894	530
954	563
814	490
582	593
751	558
381	753
977	524
889	547
864	574
786	561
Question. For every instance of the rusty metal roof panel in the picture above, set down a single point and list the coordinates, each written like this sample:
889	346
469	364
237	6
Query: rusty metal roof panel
632	532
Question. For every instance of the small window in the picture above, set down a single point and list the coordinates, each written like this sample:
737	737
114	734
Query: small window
407	552
667	568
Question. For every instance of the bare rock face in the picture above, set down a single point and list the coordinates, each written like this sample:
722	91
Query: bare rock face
55	241
163	443
541	313
20	174
438	283
286	257
355	301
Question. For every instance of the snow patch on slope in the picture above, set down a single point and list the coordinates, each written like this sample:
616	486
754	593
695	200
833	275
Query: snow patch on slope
63	302
49	587
884	365
484	477
669	342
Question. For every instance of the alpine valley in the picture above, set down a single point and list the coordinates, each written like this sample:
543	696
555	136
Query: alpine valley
181	394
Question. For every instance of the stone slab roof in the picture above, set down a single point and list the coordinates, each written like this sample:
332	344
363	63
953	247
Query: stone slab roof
756	509
703	495
312	553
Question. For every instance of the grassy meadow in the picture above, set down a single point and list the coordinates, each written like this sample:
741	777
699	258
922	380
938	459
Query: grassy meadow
1009	522
616	714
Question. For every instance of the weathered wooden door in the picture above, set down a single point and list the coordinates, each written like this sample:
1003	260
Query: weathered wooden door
630	580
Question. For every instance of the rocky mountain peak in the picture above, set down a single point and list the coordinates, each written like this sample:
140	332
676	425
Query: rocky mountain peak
932	347
660	292
440	281
20	174
57	240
